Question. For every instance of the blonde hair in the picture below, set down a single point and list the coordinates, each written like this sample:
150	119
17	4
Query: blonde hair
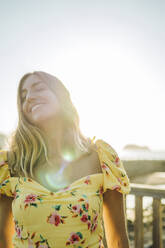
27	146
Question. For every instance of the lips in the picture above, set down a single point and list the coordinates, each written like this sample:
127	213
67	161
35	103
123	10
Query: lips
33	106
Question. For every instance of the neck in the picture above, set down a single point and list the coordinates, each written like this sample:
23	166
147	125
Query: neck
61	144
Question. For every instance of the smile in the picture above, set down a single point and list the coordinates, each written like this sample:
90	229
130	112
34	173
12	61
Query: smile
35	107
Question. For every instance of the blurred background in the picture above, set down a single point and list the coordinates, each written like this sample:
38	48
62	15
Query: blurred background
110	56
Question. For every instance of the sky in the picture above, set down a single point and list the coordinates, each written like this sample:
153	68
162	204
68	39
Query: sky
109	55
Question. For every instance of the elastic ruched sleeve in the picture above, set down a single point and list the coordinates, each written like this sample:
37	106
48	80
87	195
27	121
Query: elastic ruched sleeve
5	187
115	176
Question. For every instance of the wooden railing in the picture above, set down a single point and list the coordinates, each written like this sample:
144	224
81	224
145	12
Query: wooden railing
157	193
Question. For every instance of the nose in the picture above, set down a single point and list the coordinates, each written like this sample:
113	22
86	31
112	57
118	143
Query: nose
30	97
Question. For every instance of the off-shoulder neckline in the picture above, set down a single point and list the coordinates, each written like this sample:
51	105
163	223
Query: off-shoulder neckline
71	184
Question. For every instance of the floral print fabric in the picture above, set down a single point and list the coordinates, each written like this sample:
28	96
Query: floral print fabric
70	217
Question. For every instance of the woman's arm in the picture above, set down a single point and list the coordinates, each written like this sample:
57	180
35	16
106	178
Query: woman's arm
115	220
6	222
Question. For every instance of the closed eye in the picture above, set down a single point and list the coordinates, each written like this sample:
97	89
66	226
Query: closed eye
37	88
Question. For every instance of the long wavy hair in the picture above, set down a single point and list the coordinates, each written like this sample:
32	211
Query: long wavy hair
27	147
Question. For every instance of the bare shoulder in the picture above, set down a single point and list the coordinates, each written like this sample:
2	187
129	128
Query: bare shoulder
89	165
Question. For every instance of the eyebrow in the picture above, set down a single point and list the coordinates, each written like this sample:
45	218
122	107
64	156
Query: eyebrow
33	85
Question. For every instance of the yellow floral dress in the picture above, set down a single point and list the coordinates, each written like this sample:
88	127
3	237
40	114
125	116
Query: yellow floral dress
72	216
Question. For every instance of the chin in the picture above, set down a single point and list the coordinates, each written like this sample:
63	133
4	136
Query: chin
41	120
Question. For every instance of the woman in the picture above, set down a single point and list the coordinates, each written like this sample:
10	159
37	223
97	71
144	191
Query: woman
63	184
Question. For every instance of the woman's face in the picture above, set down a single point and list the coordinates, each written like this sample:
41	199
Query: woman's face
39	102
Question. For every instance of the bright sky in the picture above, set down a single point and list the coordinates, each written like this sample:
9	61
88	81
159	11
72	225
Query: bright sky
109	54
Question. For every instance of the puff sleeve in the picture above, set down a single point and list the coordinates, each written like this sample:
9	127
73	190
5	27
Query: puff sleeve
5	187
114	174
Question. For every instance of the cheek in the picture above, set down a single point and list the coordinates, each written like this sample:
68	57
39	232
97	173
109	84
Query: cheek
53	102
52	108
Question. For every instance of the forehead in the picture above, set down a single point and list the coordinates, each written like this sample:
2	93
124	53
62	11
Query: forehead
30	80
